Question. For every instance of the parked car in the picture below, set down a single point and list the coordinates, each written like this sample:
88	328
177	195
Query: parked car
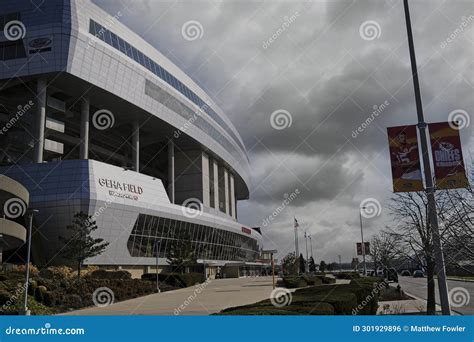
371	273
418	274
405	273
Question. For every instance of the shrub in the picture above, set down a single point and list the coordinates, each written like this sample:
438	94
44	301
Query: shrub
323	280
103	274
367	297
33	269
10	275
312	280
265	307
270	310
4	296
57	272
367	281
32	287
293	282
39	293
347	275
88	270
343	302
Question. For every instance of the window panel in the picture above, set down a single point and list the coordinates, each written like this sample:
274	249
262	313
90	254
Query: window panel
128	50
121	43
141	58
114	39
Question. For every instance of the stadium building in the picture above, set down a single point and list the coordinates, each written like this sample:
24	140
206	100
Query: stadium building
94	119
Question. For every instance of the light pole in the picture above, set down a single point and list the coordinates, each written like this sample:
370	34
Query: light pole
311	246
157	264
430	190
362	238
273	271
31	212
340	265
306	243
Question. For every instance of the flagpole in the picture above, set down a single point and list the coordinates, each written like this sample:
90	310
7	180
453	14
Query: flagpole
297	252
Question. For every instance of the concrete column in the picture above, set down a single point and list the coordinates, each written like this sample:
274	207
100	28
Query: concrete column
232	197
216	183
136	146
40	120
226	191
84	149
171	171
206	201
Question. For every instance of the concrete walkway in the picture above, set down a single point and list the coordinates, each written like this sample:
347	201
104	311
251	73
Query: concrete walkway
218	294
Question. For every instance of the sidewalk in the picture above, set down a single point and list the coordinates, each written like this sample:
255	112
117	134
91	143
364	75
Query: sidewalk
217	295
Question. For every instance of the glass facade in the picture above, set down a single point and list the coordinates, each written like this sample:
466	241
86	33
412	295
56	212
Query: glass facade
11	49
151	234
157	93
118	43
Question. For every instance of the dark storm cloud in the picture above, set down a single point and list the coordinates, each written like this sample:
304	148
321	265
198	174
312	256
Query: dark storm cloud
329	79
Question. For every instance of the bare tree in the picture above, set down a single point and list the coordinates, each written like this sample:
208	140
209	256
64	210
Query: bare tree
457	220
385	248
413	230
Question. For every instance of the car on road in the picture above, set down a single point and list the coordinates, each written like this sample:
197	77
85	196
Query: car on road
418	274
405	273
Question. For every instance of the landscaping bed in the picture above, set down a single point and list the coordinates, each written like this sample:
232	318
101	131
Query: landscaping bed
57	289
357	298
292	282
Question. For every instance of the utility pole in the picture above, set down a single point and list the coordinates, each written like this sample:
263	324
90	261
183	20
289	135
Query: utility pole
430	190
362	238
340	265
311	246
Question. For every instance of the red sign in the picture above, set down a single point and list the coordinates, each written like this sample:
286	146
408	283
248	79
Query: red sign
405	159
366	250
447	156
246	230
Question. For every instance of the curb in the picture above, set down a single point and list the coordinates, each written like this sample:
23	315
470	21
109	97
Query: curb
424	300
458	279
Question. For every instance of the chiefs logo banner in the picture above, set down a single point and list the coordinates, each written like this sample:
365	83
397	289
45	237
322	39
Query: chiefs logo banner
405	159
366	249
447	156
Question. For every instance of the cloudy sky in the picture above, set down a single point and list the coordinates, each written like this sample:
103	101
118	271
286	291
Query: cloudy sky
325	67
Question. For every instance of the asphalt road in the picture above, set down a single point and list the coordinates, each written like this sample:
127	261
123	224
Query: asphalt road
461	291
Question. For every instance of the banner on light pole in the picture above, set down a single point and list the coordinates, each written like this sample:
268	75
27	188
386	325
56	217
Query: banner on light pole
447	156
366	249
405	159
